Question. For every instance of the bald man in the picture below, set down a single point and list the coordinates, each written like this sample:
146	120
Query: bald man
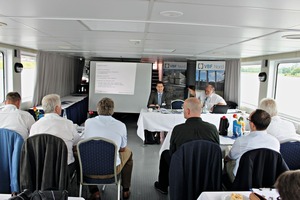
194	128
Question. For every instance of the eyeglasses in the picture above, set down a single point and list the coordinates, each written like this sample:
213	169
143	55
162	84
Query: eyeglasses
249	119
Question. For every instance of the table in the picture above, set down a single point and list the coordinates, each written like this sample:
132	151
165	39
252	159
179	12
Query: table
75	108
157	121
266	192
220	195
7	196
225	143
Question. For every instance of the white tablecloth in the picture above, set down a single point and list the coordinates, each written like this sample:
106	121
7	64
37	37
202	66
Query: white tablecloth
156	121
220	195
266	192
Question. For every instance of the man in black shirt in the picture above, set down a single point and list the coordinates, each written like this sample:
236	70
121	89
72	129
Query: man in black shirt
194	128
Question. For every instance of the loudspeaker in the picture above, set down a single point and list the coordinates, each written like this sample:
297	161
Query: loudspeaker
266	63
17	53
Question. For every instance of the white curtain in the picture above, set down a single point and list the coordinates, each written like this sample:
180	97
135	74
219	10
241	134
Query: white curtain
55	74
232	80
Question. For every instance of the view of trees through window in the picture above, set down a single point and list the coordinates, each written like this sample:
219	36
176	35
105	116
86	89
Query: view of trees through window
28	76
286	93
250	85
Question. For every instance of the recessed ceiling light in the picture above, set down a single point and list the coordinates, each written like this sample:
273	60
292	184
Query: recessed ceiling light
135	42
295	36
160	50
171	13
3	24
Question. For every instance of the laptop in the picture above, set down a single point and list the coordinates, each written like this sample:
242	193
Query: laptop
220	109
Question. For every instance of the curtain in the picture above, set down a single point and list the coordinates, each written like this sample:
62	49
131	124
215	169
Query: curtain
55	74
232	80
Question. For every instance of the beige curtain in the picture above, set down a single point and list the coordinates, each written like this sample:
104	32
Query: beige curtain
55	74
232	80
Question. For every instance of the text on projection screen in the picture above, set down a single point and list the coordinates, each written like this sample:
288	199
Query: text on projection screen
113	79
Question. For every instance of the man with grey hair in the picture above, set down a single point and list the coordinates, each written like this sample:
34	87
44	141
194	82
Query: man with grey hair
283	130
208	97
13	118
104	125
52	123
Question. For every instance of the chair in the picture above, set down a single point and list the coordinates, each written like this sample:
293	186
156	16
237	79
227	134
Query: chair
231	104
177	104
290	152
44	163
10	148
195	167
258	168
97	159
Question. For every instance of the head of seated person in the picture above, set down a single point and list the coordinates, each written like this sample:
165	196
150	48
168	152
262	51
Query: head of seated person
13	98
269	105
288	185
51	103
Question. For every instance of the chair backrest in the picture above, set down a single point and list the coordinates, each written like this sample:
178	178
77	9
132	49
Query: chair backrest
177	104
97	159
231	104
258	168
10	148
290	152
195	167
44	163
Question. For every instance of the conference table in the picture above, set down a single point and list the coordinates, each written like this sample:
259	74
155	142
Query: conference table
222	195
74	107
166	120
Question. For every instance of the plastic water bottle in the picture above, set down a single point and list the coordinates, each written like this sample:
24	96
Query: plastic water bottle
65	114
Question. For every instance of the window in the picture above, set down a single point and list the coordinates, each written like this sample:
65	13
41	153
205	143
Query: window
249	85
286	92
28	76
2	83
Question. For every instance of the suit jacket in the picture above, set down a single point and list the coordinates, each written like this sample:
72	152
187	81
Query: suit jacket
153	99
195	167
43	163
258	168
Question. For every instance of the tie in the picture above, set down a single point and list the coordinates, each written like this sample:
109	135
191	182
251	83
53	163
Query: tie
205	101
159	98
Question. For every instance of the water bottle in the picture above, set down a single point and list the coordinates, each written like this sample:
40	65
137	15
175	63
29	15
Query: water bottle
64	114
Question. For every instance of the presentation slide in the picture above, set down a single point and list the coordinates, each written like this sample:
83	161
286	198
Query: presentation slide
127	84
113	79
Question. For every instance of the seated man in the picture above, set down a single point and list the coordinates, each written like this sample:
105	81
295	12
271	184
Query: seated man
258	138
13	118
104	125
52	123
159	99
193	129
283	130
208	97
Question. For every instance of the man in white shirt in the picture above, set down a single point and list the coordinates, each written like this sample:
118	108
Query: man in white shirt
208	97
13	118
52	123
258	138
104	125
283	130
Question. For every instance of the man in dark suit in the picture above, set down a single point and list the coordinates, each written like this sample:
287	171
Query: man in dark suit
159	99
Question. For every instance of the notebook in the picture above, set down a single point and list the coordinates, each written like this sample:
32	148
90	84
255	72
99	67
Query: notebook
220	109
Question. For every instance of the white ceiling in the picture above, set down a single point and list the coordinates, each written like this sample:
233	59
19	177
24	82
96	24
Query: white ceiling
208	29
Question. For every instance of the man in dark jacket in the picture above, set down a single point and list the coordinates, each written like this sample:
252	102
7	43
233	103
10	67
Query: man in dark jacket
194	128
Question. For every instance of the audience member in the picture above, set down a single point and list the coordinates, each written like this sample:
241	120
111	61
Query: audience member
13	118
288	185
104	125
52	123
257	138
208	97
283	130
159	99
194	128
